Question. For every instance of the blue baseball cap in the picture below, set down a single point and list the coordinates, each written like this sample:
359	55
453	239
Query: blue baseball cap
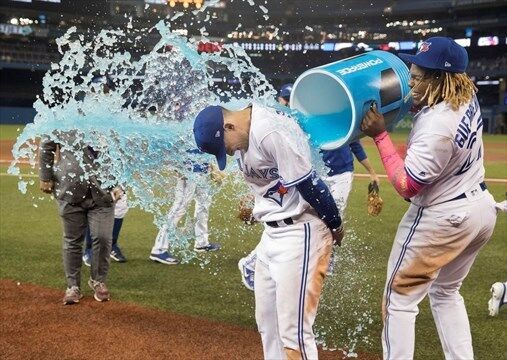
209	133
441	53
285	90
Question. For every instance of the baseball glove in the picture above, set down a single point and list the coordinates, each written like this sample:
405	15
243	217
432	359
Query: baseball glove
246	210
217	176
375	202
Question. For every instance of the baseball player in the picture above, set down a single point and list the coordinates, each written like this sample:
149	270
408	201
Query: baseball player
185	191
299	215
339	180
284	94
452	214
120	210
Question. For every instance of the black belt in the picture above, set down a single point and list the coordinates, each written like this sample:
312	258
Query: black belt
463	196
274	224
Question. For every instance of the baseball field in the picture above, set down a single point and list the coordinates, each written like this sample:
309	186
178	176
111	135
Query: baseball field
201	310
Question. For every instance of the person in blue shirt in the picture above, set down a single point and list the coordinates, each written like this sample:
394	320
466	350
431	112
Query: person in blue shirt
340	163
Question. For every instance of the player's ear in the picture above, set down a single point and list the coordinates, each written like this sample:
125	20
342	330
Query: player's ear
228	126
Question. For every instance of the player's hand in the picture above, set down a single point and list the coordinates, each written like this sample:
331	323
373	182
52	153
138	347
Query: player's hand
338	235
47	186
117	193
374	178
373	122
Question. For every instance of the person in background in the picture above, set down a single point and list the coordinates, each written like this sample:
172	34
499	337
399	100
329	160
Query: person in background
82	202
184	192
284	94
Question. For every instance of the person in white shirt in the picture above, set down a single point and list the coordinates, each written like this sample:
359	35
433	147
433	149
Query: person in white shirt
452	215
300	218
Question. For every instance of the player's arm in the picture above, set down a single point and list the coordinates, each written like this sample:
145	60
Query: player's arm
394	165
47	152
317	194
358	151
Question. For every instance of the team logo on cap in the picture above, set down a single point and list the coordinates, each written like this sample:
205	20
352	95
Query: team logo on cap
276	193
425	46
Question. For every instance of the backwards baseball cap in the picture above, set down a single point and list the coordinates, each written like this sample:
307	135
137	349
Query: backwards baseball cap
441	53
209	133
285	90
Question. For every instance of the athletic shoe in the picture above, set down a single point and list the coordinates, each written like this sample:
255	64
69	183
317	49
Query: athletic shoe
164	258
497	298
117	255
87	257
72	296
100	292
247	274
207	248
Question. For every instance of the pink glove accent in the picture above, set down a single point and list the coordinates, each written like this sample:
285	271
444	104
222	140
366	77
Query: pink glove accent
405	185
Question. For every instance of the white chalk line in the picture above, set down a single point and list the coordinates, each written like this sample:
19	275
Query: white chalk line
490	180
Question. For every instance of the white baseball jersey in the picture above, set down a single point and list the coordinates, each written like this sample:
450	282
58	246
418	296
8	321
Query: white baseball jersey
445	152
277	159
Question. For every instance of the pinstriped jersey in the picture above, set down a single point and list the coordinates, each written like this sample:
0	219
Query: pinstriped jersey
445	152
277	159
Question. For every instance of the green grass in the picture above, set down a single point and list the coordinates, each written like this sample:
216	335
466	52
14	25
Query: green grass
30	251
10	132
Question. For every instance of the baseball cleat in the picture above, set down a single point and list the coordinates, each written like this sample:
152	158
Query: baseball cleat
72	296
209	247
87	257
117	255
100	291
497	298
247	274
164	258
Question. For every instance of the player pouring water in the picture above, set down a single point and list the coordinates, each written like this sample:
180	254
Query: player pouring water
452	215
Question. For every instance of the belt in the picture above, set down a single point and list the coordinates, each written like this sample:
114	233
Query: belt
276	224
463	196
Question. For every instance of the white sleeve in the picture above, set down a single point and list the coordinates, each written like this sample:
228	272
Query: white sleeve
427	157
292	159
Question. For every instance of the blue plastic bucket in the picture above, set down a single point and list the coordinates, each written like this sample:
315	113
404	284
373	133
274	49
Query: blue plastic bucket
334	98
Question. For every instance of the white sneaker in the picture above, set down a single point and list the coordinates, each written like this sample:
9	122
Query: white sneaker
497	298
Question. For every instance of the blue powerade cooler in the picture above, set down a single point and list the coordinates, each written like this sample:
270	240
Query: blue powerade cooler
334	98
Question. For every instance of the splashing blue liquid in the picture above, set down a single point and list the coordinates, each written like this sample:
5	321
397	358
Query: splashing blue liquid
142	127
325	128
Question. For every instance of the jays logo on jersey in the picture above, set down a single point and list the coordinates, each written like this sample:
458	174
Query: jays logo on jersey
276	193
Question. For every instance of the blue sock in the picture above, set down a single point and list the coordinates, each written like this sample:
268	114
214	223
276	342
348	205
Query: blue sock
116	229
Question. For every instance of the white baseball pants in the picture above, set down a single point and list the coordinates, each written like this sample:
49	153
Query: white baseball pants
340	186
432	253
290	270
184	193
121	207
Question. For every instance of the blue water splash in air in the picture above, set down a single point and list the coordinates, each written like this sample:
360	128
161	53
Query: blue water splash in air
141	122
